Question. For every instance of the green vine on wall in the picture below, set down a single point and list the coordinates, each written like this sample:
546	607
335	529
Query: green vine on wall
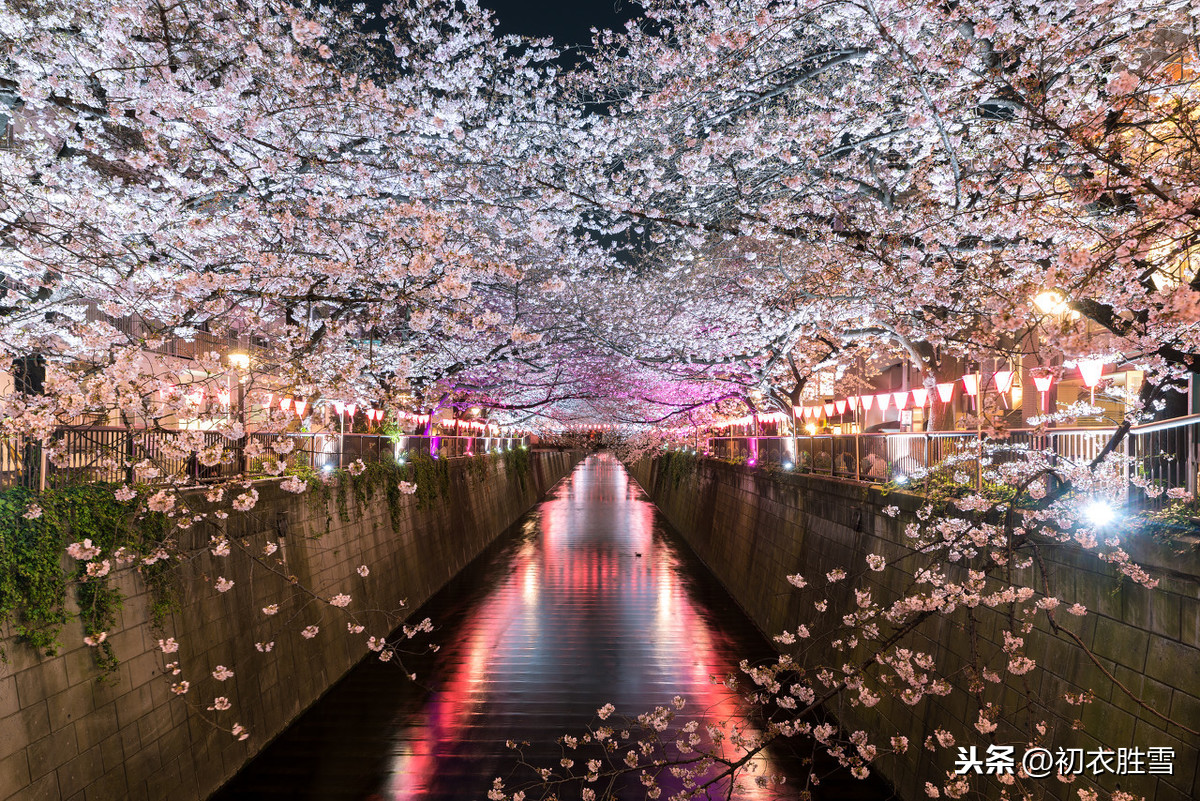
431	477
517	463
676	465
35	574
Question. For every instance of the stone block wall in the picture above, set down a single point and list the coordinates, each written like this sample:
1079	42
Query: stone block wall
67	732
752	529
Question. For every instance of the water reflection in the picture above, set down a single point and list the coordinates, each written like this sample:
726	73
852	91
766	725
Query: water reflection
590	602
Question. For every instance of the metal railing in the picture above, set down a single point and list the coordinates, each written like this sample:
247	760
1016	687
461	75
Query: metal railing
80	454
1165	454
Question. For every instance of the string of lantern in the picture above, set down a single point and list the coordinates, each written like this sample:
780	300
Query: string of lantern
1090	372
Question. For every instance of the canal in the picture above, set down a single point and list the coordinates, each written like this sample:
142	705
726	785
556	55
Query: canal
589	600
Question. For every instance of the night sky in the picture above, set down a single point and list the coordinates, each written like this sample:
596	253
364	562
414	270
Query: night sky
568	21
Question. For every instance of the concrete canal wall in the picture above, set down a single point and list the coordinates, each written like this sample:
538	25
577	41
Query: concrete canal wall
68	733
752	529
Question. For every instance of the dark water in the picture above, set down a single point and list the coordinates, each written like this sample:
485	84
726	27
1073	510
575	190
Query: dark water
589	600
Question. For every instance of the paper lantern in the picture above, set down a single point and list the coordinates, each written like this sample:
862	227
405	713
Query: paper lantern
971	384
339	407
301	405
1043	382
920	397
223	396
881	400
285	404
1004	380
798	411
900	398
351	409
1090	370
829	410
867	402
945	391
840	406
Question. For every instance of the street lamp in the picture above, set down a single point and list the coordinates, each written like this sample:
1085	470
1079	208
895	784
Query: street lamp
241	363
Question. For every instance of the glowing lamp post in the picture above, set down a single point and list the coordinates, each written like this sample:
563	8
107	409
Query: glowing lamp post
1042	383
1090	371
971	387
1003	380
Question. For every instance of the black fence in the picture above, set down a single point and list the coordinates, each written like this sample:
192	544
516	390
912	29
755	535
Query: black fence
111	454
1161	456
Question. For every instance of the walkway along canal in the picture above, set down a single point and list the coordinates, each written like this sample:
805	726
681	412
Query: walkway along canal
589	600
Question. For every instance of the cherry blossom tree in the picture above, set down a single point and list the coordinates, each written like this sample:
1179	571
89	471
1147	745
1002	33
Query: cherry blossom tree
726	198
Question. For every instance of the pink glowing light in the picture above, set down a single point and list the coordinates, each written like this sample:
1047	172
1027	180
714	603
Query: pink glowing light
945	391
900	399
1004	380
971	384
920	397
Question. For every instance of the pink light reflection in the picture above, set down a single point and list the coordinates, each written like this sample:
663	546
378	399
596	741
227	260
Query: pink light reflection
595	607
